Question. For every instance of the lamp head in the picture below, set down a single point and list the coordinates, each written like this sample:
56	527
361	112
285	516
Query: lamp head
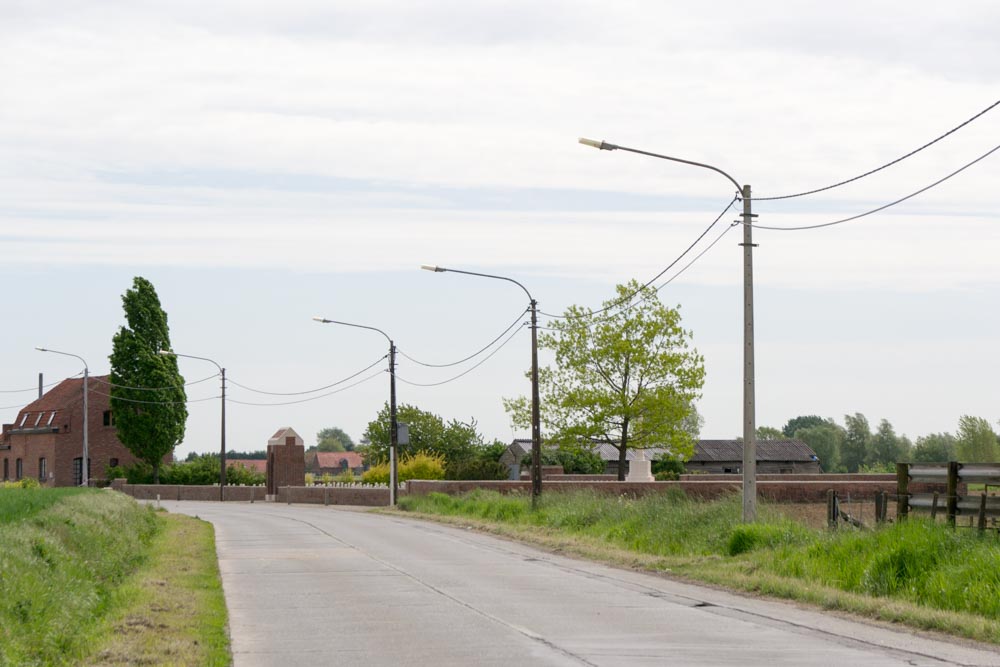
604	146
321	320
431	267
41	349
166	353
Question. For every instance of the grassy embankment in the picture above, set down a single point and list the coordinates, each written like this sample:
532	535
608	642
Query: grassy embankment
918	573
91	577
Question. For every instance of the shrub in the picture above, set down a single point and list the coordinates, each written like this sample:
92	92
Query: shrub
421	466
666	476
377	474
476	469
310	479
346	477
238	475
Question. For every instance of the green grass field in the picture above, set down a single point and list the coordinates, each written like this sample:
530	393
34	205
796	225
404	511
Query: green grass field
917	572
72	567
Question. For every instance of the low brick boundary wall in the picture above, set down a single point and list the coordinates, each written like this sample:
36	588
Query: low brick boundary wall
776	491
335	495
189	492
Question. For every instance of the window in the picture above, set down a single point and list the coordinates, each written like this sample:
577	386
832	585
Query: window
38	418
6	469
43	470
18	468
78	471
51	417
113	463
23	419
109	419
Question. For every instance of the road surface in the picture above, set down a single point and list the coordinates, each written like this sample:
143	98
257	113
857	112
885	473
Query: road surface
317	585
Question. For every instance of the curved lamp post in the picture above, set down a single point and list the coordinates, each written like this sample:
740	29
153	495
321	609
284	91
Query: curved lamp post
222	447
749	417
536	429
85	466
393	423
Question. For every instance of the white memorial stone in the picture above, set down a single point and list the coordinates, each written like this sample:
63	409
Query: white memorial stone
640	470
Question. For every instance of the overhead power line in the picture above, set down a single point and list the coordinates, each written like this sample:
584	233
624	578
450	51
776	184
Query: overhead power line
308	391
135	400
628	299
311	398
885	206
180	386
884	166
513	324
466	371
35	388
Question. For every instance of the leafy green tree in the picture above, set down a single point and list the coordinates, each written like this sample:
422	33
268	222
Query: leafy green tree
887	447
625	377
332	439
574	459
936	447
769	433
455	441
805	421
857	442
826	439
147	393
977	443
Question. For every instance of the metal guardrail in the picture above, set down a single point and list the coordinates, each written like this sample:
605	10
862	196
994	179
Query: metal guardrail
952	502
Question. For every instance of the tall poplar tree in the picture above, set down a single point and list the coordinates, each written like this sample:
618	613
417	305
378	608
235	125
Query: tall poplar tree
148	400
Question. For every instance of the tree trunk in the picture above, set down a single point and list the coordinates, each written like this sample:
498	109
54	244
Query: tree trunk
621	463
156	473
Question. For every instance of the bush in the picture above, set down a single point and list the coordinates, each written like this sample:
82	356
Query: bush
377	474
346	477
411	466
666	476
574	460
240	476
665	465
476	469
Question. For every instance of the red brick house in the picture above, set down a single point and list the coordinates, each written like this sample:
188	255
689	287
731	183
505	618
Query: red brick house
334	463
46	440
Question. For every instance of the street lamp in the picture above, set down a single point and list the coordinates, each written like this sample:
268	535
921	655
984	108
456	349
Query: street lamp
749	417
85	465
536	429
393	423
222	447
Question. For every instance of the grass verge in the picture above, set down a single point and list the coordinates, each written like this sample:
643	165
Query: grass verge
75	569
916	573
172	612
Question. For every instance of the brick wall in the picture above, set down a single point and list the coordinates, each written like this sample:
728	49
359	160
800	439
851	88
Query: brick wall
188	492
335	495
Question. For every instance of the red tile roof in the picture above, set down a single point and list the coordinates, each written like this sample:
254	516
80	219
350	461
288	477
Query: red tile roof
259	465
333	459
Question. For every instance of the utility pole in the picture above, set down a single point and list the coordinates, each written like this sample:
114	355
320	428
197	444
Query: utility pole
749	420
393	426
536	429
222	453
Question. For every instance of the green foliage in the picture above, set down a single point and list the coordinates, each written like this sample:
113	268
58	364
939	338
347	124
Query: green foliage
455	440
574	459
147	394
935	447
346	477
769	433
258	455
628	378
887	448
805	421
753	536
197	469
478	468
333	439
857	442
237	475
666	464
977	443
666	476
62	561
418	465
826	439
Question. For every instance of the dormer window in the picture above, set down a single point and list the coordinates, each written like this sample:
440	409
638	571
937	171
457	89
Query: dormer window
23	419
51	417
38	419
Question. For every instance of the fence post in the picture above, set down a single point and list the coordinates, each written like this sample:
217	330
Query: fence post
934	506
952	491
982	512
902	490
831	508
880	507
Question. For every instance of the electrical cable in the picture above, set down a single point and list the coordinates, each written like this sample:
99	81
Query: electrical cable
181	386
44	386
135	400
466	371
698	256
471	356
311	398
887	164
881	208
310	391
619	302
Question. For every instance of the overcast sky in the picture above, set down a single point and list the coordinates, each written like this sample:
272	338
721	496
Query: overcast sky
265	162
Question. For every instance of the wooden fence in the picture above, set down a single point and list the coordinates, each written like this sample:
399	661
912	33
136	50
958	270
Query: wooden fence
956	476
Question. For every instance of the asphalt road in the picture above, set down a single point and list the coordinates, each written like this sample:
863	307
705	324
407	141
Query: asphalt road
313	585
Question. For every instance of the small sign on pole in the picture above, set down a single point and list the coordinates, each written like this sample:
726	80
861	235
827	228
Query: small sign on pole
403	433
